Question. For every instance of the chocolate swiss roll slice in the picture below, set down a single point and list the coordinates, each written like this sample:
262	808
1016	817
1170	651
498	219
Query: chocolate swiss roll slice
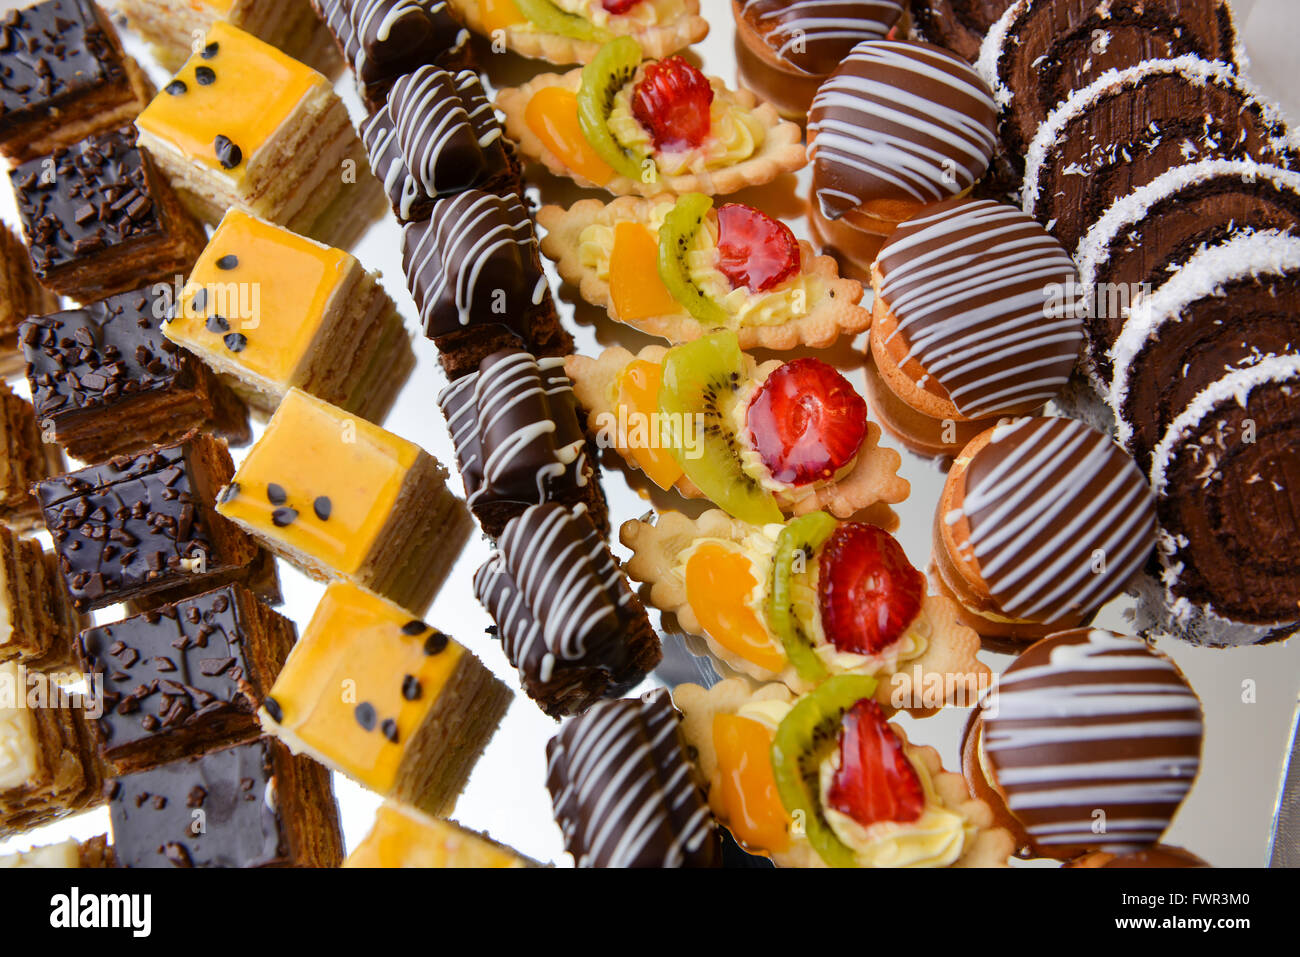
519	440
1128	127
1138	243
566	617
1041	51
959	25
1227	480
624	791
1225	308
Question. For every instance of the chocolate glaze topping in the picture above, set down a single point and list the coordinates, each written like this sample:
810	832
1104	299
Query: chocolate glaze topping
898	121
1060	518
623	790
86	200
971	284
957	25
383	39
516	431
814	36
1089	721
437	134
475	261
564	612
50	54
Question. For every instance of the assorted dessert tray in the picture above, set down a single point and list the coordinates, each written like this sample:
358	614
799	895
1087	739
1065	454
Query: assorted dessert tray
1050	253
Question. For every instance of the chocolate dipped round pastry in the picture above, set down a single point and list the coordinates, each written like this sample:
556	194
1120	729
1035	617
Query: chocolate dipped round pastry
786	48
969	323
1223	309
1227	479
897	127
956	25
1122	131
1140	240
1041	522
1089	741
1041	51
1161	856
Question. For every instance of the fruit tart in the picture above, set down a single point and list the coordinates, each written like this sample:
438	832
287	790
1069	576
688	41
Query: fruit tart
806	600
679	267
572	31
634	127
759	440
824	780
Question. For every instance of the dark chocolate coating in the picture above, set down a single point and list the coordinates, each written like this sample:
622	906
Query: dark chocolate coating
50	54
86	199
623	788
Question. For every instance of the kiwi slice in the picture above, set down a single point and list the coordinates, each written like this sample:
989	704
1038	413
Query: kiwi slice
547	16
701	378
801	537
676	235
609	71
803	740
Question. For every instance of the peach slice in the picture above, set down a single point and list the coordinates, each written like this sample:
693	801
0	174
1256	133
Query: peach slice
634	284
638	393
755	814
719	582
552	115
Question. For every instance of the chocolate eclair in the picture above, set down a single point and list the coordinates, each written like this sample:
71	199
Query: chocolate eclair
1041	51
1223	309
382	40
956	25
566	617
896	127
970	323
1228	500
1122	131
1141	240
476	275
436	134
1088	743
624	791
519	441
785	50
1041	522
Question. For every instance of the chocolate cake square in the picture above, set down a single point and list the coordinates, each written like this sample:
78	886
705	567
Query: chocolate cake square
99	218
20	296
24	460
105	381
140	524
184	677
252	805
63	77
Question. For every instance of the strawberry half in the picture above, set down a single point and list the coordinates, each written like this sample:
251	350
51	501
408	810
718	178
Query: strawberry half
875	781
755	250
672	102
870	592
618	6
806	422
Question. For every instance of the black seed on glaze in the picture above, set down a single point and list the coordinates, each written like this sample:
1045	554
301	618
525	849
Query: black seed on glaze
228	154
200	301
227	263
235	341
365	715
435	644
205	76
210	51
322	507
218	324
411	688
414	627
274	710
275	494
283	517
389	730
177	88
230	492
